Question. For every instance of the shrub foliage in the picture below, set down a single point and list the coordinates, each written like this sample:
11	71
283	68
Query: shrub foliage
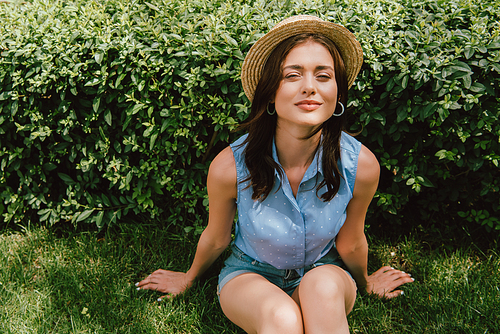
116	108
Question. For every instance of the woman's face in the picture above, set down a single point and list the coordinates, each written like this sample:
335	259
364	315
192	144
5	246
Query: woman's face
307	94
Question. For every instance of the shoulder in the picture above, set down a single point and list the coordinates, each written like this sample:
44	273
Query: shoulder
222	171
368	172
223	166
349	143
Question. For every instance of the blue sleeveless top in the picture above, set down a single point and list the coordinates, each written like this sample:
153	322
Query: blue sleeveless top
291	232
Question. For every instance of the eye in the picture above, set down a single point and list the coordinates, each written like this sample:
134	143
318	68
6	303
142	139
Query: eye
324	76
291	75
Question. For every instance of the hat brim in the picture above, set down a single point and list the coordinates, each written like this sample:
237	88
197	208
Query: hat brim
345	41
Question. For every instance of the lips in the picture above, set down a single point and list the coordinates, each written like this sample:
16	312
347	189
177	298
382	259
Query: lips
308	105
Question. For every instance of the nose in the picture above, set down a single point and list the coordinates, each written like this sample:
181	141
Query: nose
309	87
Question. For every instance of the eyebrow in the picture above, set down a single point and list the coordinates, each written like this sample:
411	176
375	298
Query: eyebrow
300	67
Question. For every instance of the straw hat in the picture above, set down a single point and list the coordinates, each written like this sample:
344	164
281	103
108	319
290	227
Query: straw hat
346	43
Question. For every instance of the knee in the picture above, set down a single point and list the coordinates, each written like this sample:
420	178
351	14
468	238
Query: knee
314	283
283	318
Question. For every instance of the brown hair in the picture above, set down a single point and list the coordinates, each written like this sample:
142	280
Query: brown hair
261	126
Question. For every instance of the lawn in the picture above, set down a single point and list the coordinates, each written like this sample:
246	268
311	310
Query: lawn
63	281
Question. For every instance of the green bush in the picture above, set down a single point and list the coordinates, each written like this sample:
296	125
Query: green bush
428	98
116	108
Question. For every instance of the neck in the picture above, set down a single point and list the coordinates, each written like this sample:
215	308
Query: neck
293	150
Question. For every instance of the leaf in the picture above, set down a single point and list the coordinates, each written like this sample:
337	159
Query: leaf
119	80
220	50
127	122
98	57
4	95
390	84
153	7
14	107
105	200
44	214
66	178
429	109
496	67
379	117
92	82
96	103
135	109
404	82
401	114
49	166
426	182
231	41
152	140
461	67
128	179
141	85
98	219
108	117
84	215
469	52
467	81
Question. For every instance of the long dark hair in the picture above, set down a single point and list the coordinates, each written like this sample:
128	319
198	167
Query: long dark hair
261	126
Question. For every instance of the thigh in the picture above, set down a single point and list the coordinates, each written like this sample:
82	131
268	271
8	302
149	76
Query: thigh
326	294
258	306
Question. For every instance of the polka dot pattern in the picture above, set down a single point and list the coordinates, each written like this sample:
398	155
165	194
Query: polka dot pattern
291	232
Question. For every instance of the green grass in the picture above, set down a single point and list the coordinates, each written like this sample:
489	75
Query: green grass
84	283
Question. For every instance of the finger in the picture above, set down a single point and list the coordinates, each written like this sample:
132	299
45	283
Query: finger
145	281
394	294
382	270
395	274
385	272
142	284
399	280
151	279
386	268
167	296
147	284
402	276
404	280
387	275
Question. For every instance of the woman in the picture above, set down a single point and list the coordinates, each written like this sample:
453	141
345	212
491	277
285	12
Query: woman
301	187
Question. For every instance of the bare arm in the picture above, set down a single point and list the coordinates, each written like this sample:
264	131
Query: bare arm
221	186
351	241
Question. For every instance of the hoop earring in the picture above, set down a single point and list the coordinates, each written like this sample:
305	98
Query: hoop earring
269	112
343	109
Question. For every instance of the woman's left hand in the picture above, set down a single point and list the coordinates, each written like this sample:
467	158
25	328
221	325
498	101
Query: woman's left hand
385	281
171	282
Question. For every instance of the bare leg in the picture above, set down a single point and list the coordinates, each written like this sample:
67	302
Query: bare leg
326	295
258	306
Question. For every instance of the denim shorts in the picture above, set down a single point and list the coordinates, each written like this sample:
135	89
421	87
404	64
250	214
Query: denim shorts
287	279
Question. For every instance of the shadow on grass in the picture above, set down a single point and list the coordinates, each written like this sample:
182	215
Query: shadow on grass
456	288
84	282
66	281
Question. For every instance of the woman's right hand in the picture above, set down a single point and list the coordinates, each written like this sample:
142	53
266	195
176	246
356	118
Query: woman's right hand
222	192
170	282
